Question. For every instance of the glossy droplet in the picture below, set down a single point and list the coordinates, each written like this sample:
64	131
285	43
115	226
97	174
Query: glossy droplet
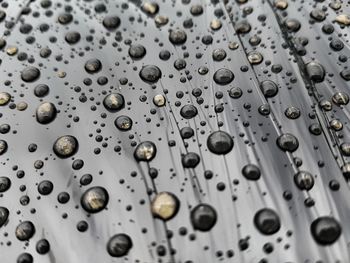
215	24
318	14
325	230
235	93
315	71
145	151
304	180
150	73
165	205
340	98
177	37
188	111
65	146
41	90
95	199
203	217
292	25
267	221
150	8
93	65
281	4
242	27
223	76
292	113
42	246
4	215
119	245
161	20
114	102
30	74
25	258
123	123
220	142
3	147
137	51
255	57
269	88
190	160
345	148
46	113
25	231
343	19
4	98
5	184
336	125
111	22
159	100
288	142
251	172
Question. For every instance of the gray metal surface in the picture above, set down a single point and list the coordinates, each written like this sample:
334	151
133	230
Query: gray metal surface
108	152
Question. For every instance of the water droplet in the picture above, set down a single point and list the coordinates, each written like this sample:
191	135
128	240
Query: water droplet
119	245
46	113
203	217
25	231
165	205
288	142
223	76
267	221
251	172
145	151
114	102
150	73
65	146
325	230
95	199
220	142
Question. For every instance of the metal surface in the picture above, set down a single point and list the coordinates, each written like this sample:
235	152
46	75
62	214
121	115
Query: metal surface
110	154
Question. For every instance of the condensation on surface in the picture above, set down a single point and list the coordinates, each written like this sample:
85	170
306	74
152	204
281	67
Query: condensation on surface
174	131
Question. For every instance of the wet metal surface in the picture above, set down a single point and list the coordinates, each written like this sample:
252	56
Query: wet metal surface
174	131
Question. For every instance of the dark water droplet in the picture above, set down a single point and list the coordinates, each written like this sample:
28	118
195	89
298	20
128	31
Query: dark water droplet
4	214
269	88
251	172
119	245
325	230
65	146
203	217
114	102
150	73
3	147
5	184
145	151
177	37
41	90
137	51
304	180
267	221
25	258
94	199
30	74
223	76
220	142
42	246
123	123
188	111
190	160
315	71
288	142
45	187
111	22
46	113
25	231
93	65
